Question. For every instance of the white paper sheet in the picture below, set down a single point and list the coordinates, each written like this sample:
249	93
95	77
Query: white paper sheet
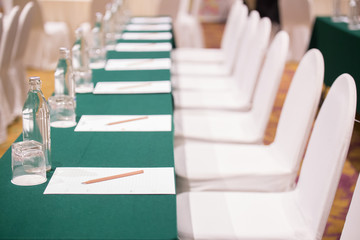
143	47
138	64
148	27
152	181
100	123
132	87
146	36
151	20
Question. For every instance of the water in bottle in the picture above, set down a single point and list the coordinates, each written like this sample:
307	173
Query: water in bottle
80	64
36	118
64	77
97	51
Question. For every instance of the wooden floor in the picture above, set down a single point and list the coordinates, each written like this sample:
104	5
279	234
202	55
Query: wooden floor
213	33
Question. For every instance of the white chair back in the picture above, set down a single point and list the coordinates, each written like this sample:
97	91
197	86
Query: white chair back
7	85
232	44
255	52
195	8
7	43
3	100
232	23
38	20
188	30
351	230
24	25
326	153
269	80
299	109
1	27
296	17
184	7
238	58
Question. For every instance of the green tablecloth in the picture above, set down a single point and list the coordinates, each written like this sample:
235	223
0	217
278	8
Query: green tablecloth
28	214
340	48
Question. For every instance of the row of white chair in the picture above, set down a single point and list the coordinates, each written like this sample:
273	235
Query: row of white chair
252	191
216	131
299	213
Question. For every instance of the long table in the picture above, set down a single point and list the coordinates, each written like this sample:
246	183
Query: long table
340	48
26	213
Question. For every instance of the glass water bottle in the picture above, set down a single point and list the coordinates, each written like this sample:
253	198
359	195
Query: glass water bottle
36	118
80	64
64	79
109	27
97	52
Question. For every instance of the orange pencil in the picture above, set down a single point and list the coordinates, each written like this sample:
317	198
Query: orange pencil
128	120
113	177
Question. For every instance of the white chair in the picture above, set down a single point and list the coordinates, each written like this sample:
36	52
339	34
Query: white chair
296	17
187	27
9	86
351	230
3	101
229	40
240	93
1	27
249	127
220	68
298	214
17	68
244	167
45	39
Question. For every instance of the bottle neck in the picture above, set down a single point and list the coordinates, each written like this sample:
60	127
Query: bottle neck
34	84
98	24
64	55
34	87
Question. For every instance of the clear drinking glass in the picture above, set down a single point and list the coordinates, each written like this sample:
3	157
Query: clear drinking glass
28	163
83	81
354	23
62	111
339	11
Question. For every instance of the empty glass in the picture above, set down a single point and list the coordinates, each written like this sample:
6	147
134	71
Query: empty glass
354	21
83	81
340	11
28	163
62	111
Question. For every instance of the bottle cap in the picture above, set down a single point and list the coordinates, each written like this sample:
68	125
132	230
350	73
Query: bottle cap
34	80
64	52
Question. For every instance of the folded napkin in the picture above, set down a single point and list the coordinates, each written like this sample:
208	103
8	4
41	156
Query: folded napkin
150	20
138	64
132	87
148	27
143	47
146	36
